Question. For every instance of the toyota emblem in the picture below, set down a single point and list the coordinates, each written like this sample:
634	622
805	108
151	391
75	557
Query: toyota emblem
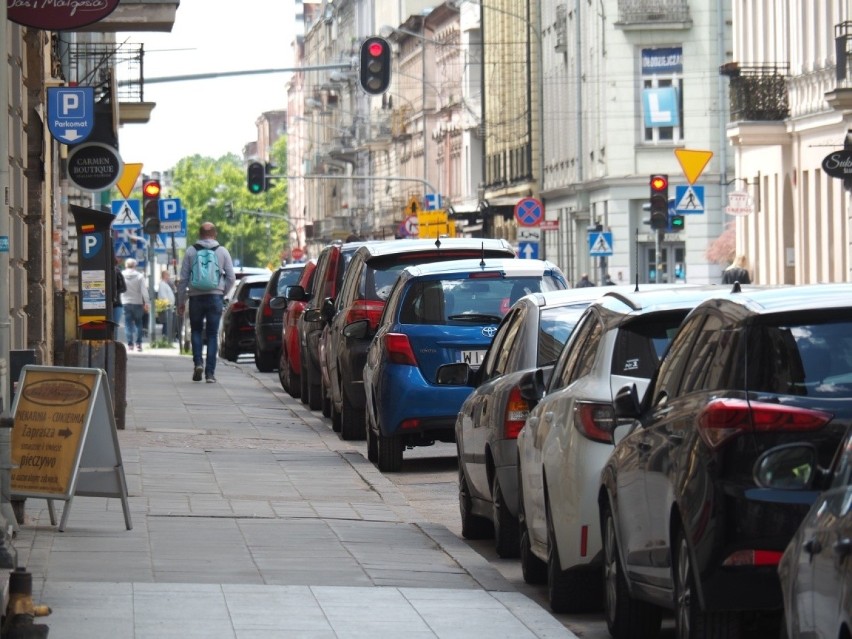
489	331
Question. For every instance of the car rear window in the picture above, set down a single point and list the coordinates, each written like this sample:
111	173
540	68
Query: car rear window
554	329
642	342
801	358
253	291
288	277
460	301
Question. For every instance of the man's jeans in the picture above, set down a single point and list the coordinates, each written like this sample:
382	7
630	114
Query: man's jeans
205	309
133	323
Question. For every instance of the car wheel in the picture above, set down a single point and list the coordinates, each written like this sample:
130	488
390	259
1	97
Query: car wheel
690	620
626	618
372	443
533	569
303	381
473	527
228	354
264	361
283	373
389	453
352	421
326	401
568	591
294	383
506	538
314	392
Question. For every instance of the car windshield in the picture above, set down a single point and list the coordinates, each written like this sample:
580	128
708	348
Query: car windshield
803	358
461	301
288	277
554	329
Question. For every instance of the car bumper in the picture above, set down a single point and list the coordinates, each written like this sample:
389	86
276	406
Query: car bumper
269	337
405	395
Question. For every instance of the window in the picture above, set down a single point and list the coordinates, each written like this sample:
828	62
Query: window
662	95
584	340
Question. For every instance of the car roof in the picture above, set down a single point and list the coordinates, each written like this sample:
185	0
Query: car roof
575	295
254	279
508	265
787	298
291	267
245	271
396	247
657	298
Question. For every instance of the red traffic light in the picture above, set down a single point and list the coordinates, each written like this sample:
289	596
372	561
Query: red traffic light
151	188
376	49
659	182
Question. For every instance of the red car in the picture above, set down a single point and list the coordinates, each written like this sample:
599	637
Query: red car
290	365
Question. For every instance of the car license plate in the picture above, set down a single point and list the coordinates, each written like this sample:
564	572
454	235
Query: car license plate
474	358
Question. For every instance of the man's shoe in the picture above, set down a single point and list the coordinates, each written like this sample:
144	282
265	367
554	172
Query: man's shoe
211	379
139	347
196	374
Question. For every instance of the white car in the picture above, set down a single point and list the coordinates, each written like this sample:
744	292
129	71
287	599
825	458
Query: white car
567	438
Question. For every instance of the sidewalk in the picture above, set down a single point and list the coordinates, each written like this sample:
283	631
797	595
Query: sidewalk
251	518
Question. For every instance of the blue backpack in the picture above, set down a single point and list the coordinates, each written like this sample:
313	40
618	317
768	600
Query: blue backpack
206	272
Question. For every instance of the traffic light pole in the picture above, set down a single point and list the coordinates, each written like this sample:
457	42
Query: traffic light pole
391	178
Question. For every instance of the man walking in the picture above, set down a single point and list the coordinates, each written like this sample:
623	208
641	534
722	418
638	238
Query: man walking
206	274
135	301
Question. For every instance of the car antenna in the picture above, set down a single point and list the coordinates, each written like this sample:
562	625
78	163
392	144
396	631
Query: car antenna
482	259
636	290
438	243
736	288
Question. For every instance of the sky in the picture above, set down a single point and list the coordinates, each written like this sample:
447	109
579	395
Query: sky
216	116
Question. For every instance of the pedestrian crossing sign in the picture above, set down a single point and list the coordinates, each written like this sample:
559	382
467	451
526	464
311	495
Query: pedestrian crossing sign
689	199
600	244
127	214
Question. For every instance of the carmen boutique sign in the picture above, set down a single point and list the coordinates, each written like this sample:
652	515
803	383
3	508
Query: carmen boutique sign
59	15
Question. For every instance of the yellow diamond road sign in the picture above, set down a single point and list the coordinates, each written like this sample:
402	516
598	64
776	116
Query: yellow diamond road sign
128	179
692	162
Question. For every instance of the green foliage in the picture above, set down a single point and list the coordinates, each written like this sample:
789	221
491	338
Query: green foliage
206	185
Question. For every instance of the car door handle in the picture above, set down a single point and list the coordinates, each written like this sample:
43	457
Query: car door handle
812	546
548	416
843	547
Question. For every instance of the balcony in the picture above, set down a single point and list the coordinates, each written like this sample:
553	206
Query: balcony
653	14
758	92
840	97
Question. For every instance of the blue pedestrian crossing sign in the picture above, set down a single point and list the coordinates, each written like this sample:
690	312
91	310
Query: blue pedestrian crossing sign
600	244
127	214
689	199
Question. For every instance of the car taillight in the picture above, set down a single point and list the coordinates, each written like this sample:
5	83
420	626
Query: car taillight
753	558
267	309
370	310
238	306
595	421
517	411
723	419
398	349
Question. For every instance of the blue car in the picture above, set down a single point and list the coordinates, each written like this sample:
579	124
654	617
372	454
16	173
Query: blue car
436	314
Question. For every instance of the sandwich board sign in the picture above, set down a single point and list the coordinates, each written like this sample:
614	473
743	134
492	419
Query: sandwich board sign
64	442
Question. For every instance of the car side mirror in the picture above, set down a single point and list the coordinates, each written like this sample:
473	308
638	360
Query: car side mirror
788	467
456	374
278	303
312	315
327	309
626	403
295	293
357	330
532	386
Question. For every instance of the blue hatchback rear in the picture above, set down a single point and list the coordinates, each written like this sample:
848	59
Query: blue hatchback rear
437	314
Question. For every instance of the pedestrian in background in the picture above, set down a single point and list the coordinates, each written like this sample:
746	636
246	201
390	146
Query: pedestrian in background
205	297
166	292
584	282
608	281
135	301
119	287
737	271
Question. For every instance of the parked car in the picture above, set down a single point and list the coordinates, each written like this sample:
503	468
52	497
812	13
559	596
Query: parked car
368	281
236	330
566	440
244	271
685	526
815	569
289	363
531	335
436	314
269	321
331	264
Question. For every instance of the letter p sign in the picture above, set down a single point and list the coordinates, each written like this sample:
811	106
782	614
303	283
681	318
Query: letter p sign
92	243
70	103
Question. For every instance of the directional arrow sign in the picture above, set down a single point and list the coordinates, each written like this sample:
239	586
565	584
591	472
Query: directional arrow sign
692	162
528	250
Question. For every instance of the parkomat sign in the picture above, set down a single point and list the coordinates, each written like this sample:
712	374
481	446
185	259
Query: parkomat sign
59	15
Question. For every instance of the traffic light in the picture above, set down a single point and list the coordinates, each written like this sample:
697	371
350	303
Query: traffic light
375	65
659	202
151	206
256	178
676	223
